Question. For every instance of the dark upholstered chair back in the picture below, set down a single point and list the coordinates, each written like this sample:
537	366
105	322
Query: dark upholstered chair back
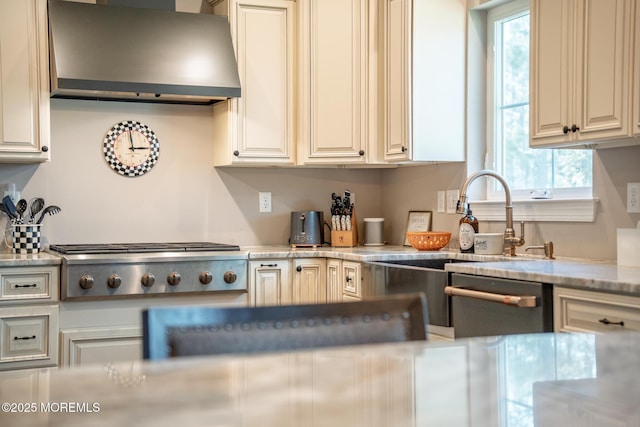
197	331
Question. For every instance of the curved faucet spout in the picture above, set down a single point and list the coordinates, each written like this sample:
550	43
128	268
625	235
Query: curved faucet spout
510	240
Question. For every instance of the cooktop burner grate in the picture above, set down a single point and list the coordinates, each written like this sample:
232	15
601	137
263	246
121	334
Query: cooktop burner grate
118	248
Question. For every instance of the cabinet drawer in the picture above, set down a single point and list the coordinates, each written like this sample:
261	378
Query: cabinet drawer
29	334
352	279
577	310
28	284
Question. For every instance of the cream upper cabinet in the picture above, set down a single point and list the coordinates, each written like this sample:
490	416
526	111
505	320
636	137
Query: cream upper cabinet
334	81
424	80
24	82
580	81
258	128
309	281
636	76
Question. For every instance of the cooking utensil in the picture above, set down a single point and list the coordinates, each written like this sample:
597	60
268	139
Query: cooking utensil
21	207
51	210
10	207
35	206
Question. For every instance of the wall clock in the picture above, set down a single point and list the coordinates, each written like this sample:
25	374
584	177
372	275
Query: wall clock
131	148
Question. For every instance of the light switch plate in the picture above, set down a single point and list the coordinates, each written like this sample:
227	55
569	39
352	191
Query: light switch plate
452	200
441	202
633	197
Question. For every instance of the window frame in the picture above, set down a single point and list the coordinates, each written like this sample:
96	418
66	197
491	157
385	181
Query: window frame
566	205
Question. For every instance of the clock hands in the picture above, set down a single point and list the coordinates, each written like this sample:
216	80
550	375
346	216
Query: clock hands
131	147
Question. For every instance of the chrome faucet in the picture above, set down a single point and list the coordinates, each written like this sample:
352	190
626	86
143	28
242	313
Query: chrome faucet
510	239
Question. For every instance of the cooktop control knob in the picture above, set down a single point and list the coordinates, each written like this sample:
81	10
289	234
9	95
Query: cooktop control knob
148	280
173	279
206	277
230	277
114	281
86	281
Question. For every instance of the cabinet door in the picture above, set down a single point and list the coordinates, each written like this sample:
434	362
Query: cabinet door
87	346
397	80
581	71
334	280
309	281
258	128
603	85
333	81
24	81
352	280
270	283
425	80
550	103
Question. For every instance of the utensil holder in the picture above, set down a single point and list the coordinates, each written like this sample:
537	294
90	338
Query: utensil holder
346	239
25	238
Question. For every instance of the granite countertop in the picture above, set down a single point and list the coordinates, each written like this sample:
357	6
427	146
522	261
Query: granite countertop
578	273
469	382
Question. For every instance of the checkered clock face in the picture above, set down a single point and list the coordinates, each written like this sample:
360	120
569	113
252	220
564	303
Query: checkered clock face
131	148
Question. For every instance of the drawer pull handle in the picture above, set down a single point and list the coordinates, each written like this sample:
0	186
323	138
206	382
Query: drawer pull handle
32	337
520	301
268	265
606	321
33	285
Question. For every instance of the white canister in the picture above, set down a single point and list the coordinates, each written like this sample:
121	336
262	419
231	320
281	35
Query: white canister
374	231
488	243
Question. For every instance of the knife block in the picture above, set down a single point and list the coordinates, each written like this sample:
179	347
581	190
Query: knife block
346	239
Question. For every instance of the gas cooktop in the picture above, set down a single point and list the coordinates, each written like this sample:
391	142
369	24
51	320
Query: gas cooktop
119	248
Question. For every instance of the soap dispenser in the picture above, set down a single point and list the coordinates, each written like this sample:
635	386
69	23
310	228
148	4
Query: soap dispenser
468	230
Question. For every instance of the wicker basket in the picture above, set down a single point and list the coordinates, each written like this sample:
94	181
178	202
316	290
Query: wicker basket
428	240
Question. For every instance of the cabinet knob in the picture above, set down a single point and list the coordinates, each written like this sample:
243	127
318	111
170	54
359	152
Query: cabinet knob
236	153
299	268
404	148
565	129
45	148
574	128
361	152
348	279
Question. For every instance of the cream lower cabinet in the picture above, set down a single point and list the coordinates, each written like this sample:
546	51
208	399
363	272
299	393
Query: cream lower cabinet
335	78
581	62
29	316
352	281
424	80
270	282
86	346
635	118
309	281
258	128
24	82
577	310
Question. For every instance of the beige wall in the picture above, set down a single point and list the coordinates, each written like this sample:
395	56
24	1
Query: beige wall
415	188
184	198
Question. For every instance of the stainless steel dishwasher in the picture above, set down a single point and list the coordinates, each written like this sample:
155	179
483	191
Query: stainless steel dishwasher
427	276
483	306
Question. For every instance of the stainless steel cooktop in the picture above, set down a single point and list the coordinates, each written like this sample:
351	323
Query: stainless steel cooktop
117	248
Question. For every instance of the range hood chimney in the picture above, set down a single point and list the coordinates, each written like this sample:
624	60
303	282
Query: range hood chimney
109	52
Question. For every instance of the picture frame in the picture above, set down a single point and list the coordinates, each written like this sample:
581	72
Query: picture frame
417	221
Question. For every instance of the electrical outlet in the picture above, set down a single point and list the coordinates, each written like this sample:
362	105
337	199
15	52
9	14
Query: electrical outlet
633	197
264	198
441	199
452	200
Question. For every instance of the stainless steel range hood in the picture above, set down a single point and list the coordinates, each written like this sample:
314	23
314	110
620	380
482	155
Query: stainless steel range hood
138	54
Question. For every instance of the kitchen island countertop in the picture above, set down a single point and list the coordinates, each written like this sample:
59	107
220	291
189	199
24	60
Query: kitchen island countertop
480	382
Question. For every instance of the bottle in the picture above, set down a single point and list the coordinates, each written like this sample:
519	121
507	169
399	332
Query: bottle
468	230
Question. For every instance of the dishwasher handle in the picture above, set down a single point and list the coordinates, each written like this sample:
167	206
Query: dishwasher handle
517	301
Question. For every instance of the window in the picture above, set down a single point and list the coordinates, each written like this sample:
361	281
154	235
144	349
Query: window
564	173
